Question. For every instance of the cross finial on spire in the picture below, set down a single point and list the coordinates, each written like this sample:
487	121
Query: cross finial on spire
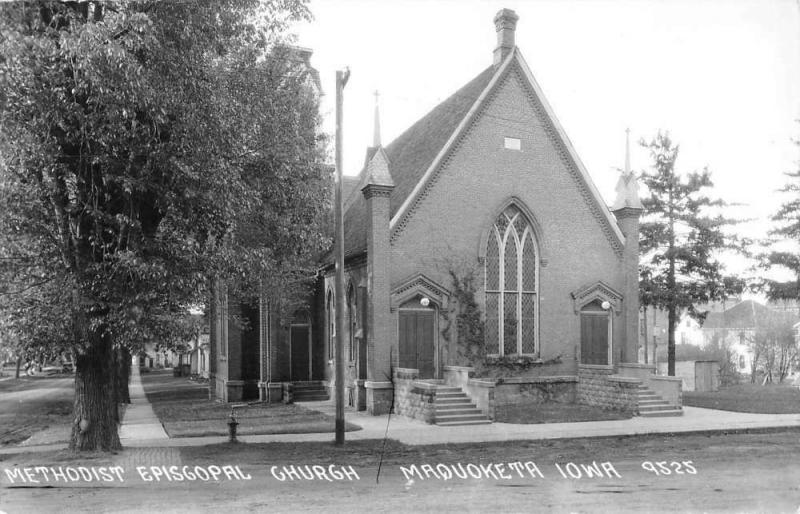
376	132
627	151
627	188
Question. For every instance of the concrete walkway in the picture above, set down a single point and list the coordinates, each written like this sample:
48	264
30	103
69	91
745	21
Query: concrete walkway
139	423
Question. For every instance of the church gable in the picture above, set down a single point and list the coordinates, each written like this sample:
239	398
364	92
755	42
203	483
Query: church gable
525	96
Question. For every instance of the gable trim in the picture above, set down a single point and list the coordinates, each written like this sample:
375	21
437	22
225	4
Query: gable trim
597	291
573	162
409	205
419	284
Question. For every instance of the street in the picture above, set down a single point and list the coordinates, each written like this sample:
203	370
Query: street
690	473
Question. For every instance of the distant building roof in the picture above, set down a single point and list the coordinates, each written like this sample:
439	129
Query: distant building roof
744	315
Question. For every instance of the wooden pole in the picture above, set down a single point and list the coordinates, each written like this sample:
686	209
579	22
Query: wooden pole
341	80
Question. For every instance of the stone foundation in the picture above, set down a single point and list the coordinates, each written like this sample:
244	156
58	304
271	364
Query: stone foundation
559	389
600	387
379	397
413	398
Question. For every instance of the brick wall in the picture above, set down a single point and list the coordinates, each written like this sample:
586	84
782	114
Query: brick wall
448	225
600	387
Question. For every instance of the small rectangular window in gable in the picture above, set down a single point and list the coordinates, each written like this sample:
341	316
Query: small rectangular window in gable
513	143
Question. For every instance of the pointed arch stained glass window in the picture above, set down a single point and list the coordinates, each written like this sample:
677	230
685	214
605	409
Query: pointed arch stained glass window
511	286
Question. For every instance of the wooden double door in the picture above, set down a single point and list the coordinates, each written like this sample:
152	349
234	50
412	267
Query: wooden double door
417	344
595	336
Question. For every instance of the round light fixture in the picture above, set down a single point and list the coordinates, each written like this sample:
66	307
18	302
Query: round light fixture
605	306
424	301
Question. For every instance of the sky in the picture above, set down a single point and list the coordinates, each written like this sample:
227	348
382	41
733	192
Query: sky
721	76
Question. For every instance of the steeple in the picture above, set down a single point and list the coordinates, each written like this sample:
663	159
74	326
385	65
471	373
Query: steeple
627	186
376	131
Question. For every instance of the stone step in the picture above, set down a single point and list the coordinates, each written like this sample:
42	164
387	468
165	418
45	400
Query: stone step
661	406
450	401
462	423
450	406
448	389
653	401
450	394
661	413
458	412
460	417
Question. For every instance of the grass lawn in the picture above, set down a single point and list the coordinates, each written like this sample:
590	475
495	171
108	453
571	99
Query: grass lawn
529	412
185	411
767	399
31	405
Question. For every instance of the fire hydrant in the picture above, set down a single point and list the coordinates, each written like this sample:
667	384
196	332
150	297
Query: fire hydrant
232	424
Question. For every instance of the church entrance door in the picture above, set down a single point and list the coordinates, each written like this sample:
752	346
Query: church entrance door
595	335
417	342
300	341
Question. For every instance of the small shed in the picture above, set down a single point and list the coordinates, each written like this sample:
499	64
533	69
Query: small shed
696	375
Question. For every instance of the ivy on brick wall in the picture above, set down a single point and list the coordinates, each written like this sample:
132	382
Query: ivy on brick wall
463	322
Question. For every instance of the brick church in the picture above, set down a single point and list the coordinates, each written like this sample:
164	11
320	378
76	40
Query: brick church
485	185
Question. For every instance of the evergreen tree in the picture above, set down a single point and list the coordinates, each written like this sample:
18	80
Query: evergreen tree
787	229
143	147
680	237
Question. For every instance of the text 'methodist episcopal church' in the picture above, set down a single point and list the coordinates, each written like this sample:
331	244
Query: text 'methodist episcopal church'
489	182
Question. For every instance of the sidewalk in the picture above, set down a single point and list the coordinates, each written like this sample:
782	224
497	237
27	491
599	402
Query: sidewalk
139	423
141	429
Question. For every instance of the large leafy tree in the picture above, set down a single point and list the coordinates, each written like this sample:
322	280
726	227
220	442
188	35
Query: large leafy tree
681	234
145	146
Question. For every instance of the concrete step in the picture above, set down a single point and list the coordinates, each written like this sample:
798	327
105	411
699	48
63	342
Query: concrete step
450	406
652	401
461	423
450	394
460	417
448	389
458	412
651	408
661	413
450	401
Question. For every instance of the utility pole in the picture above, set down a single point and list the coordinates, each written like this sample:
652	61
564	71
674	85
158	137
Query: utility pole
341	80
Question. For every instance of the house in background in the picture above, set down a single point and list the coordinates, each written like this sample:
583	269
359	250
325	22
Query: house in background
484	199
735	328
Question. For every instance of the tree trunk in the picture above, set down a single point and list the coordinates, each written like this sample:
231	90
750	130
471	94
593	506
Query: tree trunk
123	375
19	365
671	315
94	426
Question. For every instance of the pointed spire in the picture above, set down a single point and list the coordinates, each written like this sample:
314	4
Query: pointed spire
376	132
627	186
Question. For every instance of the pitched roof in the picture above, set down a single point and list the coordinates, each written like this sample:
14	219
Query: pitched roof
415	156
743	315
410	155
